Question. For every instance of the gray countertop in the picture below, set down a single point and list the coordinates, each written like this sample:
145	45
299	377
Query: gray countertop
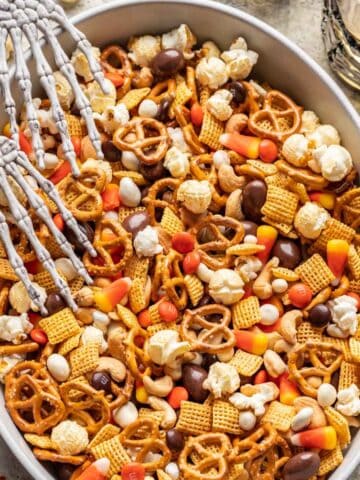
300	21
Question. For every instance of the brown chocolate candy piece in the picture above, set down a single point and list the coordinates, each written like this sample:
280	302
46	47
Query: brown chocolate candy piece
168	62
302	466
87	229
193	378
111	153
54	303
101	381
288	252
175	440
320	315
254	197
249	227
136	222
152	172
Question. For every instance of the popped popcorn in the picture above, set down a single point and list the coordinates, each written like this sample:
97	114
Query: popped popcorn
226	286
344	316
94	335
15	328
142	50
164	347
81	64
64	91
113	117
239	60
146	243
180	38
177	162
222	379
99	100
195	195
311	219
70	437
212	72
219	105
348	401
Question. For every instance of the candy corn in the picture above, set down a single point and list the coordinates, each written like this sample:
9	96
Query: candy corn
242	144
111	197
321	437
97	470
252	342
141	394
337	254
326	200
266	236
288	390
111	295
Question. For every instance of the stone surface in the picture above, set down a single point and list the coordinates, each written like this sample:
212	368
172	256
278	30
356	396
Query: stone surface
300	21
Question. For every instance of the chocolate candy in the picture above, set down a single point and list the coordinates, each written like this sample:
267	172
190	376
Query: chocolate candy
64	471
87	229
54	303
101	381
254	197
136	222
238	91
193	378
168	62
320	315
163	110
152	172
208	360
288	253
111	153
249	227
302	466
175	440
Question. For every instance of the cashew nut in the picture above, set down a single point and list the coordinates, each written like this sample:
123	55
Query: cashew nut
288	324
342	288
114	367
250	390
233	205
282	346
273	363
318	419
161	405
236	123
322	297
228	180
160	387
262	286
116	346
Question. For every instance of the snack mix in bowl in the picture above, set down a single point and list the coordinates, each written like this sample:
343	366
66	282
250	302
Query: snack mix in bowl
219	339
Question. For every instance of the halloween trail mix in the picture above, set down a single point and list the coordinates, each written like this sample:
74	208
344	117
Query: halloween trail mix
220	338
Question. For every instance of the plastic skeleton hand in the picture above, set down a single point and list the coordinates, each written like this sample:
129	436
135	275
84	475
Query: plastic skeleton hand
21	19
12	164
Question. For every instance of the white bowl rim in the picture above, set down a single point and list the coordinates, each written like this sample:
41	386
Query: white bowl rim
34	468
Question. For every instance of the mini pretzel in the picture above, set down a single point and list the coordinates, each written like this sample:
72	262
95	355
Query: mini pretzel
138	360
213	449
221	243
142	437
125	68
202	167
146	137
302	175
85	405
300	373
254	445
7	350
123	393
268	465
347	208
206	339
154	203
163	90
82	195
173	280
21	242
49	456
32	398
182	115
279	118
114	248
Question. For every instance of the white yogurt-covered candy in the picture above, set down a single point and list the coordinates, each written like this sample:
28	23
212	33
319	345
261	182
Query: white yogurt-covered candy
130	193
58	367
126	414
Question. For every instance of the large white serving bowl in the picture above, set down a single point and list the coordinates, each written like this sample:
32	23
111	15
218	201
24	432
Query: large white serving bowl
281	63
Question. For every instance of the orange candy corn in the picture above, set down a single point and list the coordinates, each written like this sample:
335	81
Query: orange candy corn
266	235
243	144
321	437
260	377
97	470
111	295
336	255
326	200
251	342
288	390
